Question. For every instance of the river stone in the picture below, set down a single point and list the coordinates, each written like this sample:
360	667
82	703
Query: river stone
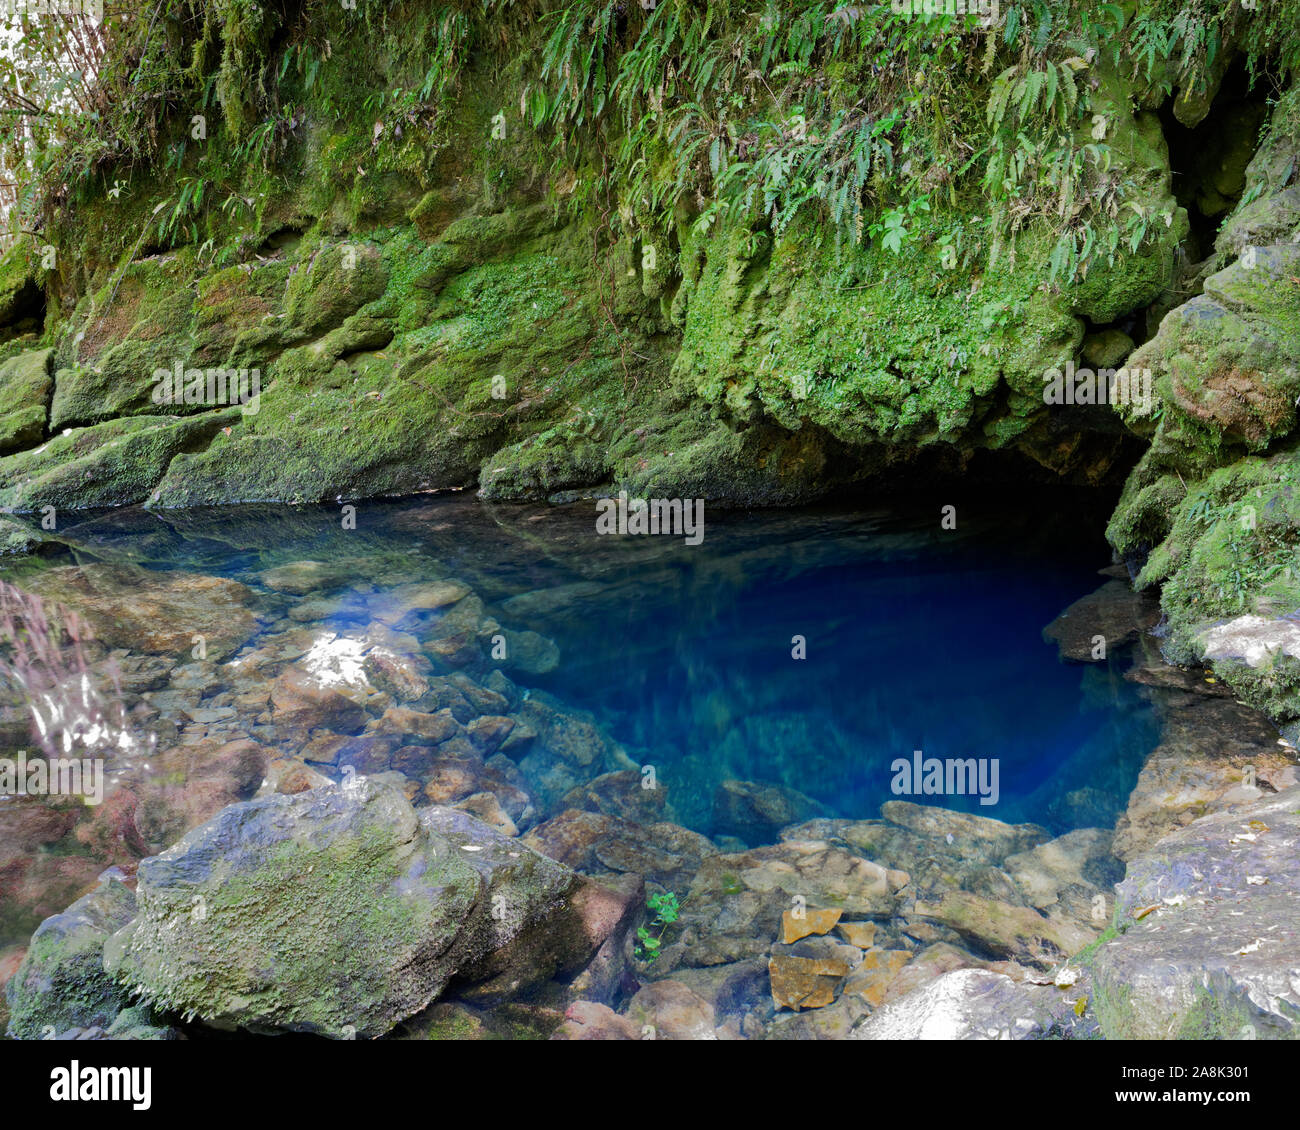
875	974
978	1004
406	604
147	610
1114	612
301	703
591	841
531	653
805	982
755	811
622	793
335	911
975	838
299	578
669	1010
1006	930
734	907
61	983
1220	957
589	1020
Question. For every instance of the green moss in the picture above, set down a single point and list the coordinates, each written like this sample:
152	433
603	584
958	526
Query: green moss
335	281
25	388
112	464
61	983
245	927
1230	549
869	345
541	465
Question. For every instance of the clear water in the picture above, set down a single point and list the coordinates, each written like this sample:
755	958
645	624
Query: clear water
917	638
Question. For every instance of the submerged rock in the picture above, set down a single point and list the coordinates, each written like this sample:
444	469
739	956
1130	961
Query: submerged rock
1001	928
1092	627
1213	756
735	906
755	811
336	911
978	1004
152	611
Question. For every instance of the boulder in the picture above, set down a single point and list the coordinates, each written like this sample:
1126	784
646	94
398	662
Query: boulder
61	983
154	611
1211	941
336	911
755	811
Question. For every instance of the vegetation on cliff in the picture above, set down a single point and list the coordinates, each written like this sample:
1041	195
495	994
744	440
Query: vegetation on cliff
741	250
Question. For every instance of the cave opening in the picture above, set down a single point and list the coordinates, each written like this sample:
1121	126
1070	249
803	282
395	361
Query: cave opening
1209	158
1208	161
28	311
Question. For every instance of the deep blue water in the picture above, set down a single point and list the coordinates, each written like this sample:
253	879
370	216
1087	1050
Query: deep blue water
917	638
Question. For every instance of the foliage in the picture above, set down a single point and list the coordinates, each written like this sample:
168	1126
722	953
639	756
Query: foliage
666	911
656	113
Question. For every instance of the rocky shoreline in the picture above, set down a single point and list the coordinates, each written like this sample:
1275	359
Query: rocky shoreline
359	821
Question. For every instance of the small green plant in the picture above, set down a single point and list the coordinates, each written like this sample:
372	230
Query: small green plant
666	911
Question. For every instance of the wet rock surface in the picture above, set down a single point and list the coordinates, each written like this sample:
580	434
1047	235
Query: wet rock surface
977	1004
61	983
1211	941
337	911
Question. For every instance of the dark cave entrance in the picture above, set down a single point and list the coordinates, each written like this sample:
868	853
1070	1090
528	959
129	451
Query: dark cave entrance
28	314
1208	162
1209	159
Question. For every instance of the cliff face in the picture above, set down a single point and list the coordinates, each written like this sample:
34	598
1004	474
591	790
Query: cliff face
681	249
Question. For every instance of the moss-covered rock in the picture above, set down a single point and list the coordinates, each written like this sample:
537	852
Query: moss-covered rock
115	463
25	387
336	911
335	281
61	983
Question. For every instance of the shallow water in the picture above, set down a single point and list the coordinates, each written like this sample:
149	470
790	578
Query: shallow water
916	638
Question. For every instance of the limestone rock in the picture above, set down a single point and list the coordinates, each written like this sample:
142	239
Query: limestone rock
336	911
976	1004
1217	958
